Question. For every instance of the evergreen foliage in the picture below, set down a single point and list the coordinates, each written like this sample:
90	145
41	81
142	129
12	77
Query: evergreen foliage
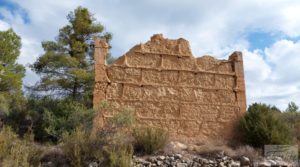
11	73
292	107
261	125
66	67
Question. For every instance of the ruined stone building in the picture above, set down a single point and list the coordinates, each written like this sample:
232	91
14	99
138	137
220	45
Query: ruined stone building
167	87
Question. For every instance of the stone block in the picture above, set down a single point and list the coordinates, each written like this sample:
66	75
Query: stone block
171	110
116	74
188	111
169	77
150	93
189	128
205	80
160	93
191	94
225	67
228	114
178	63
225	82
224	96
219	96
151	110
212	129
132	92
132	75
173	126
171	62
168	93
143	60
187	63
207	63
114	91
151	77
186	78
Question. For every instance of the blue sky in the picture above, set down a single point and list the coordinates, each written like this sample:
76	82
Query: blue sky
267	32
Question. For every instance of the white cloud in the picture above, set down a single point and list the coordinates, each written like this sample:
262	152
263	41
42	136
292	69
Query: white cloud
291	14
275	79
3	25
215	27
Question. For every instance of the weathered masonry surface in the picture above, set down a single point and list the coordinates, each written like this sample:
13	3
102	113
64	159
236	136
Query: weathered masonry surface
191	97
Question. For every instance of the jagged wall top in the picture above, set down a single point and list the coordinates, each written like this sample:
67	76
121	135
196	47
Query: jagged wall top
147	55
160	45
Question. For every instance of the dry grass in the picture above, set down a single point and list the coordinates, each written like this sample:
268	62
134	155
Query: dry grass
221	147
55	156
16	152
149	139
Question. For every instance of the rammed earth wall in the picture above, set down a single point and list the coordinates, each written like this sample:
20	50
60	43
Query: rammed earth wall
191	97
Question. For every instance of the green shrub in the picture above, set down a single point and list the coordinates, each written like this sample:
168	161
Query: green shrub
149	139
292	120
54	117
4	104
15	152
261	125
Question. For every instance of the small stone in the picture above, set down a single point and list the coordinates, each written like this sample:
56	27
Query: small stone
278	159
152	159
181	165
93	164
159	163
221	164
211	161
178	156
245	161
235	164
161	157
225	158
264	164
272	162
204	161
282	163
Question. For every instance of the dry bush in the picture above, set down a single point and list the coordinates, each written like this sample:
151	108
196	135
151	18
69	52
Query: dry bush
214	147
118	156
217	147
149	139
82	149
298	149
249	152
55	156
16	152
108	146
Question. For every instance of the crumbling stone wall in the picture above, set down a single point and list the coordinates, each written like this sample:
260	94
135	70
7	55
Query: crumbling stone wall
191	97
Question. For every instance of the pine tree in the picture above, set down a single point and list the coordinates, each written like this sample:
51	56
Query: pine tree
292	107
11	73
66	67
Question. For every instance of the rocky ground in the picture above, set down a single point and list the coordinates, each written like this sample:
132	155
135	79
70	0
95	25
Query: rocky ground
211	155
179	160
180	155
186	160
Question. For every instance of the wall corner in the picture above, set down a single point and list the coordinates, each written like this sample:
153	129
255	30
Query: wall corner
238	66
